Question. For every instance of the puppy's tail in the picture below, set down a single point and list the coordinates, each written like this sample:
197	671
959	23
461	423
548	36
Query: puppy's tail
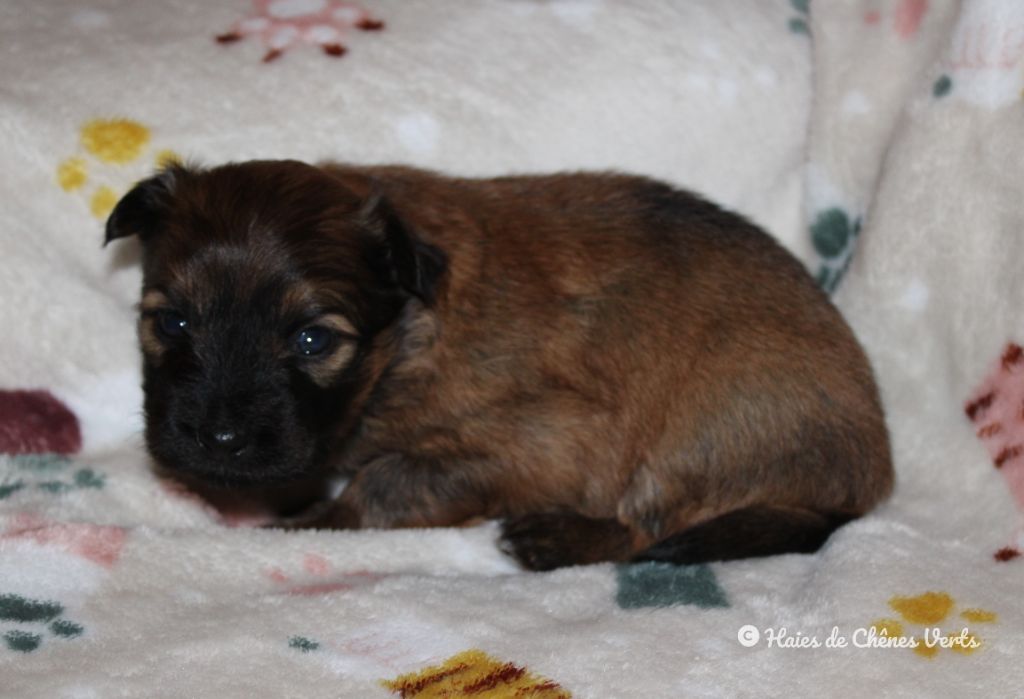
746	533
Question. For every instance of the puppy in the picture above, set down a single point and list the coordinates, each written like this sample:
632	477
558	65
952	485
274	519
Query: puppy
617	369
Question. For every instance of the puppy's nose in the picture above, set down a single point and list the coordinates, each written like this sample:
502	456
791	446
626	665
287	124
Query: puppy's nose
224	441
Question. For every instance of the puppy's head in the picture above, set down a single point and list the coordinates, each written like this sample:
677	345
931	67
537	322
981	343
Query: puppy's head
270	290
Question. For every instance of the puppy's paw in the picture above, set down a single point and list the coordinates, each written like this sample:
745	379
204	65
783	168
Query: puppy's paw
534	541
551	540
322	515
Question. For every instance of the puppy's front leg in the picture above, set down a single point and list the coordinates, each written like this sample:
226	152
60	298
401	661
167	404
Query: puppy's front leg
395	490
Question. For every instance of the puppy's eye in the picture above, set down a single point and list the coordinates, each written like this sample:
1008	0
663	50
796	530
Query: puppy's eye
171	324
313	340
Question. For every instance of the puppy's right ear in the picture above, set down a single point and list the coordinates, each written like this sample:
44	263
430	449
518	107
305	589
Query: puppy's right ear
139	212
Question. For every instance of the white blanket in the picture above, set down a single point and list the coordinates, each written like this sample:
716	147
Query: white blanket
883	142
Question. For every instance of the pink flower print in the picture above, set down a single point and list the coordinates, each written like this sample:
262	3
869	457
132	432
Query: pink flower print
997	409
282	24
100	544
318	577
908	18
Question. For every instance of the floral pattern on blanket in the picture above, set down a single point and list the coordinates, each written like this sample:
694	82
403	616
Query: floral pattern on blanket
34	422
105	572
283	24
48	571
317	576
64	561
997	410
474	673
925	625
110	144
48	473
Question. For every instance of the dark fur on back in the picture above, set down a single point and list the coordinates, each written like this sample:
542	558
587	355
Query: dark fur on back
602	361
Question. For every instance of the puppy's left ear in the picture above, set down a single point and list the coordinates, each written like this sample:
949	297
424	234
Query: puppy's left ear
139	212
402	258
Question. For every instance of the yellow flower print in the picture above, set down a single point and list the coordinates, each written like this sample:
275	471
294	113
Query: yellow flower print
110	147
72	174
473	673
930	610
103	202
116	141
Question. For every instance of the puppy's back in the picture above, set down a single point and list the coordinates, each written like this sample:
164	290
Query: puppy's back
695	367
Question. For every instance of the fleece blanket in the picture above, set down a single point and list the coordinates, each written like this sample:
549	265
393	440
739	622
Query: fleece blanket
880	140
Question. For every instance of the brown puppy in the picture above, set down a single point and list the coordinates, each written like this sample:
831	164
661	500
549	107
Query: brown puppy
617	369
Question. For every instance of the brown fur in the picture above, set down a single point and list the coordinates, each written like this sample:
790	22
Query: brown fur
604	362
